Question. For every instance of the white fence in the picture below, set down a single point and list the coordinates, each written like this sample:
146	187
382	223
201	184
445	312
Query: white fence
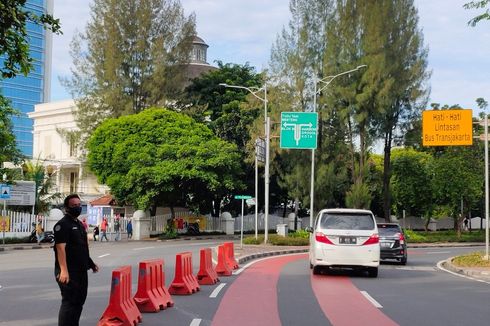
20	224
209	224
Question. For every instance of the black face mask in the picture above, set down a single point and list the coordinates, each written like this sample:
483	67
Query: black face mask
74	211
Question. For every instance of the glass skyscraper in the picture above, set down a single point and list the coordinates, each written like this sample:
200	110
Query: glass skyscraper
26	91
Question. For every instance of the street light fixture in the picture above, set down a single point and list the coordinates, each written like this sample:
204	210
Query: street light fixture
254	91
326	81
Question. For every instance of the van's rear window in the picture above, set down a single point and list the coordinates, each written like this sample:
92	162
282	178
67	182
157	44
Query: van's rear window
347	221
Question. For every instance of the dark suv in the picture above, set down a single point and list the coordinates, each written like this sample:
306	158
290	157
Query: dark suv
392	242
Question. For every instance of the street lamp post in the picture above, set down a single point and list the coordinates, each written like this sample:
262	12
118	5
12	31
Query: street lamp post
326	81
254	92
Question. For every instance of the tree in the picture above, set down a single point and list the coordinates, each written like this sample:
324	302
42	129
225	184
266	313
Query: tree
160	157
480	4
14	45
131	56
296	61
220	108
14	49
36	171
8	147
385	36
229	112
458	181
412	182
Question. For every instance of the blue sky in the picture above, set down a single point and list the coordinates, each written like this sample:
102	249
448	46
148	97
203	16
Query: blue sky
240	31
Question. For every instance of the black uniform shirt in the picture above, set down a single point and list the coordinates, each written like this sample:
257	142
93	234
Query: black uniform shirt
71	231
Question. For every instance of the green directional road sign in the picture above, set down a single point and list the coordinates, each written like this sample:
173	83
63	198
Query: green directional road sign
242	197
299	130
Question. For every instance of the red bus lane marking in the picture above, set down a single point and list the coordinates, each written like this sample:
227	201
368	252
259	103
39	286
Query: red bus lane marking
252	298
343	303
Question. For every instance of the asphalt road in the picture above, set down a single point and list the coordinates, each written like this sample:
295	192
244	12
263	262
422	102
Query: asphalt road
275	291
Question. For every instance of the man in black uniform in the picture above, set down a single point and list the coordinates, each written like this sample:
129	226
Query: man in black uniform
72	260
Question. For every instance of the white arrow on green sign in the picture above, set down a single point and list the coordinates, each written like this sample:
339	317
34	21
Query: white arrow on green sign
299	130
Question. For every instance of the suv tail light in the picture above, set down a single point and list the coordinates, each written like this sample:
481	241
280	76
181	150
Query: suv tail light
320	237
372	240
401	238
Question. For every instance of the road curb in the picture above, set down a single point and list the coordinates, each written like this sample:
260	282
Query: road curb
479	274
244	259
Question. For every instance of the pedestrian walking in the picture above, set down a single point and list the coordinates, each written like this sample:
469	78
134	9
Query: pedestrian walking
103	230
39	231
72	260
129	229
96	232
117	228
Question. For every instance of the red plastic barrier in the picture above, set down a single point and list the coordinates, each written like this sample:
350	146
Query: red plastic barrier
230	255
206	275
152	295
223	268
184	281
121	309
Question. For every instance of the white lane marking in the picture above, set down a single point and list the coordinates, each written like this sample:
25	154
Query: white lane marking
215	292
195	322
103	255
437	252
238	271
143	248
417	268
439	265
371	299
0	287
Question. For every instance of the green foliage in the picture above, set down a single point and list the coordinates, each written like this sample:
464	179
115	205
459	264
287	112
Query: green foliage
14	50
9	240
411	182
8	148
481	4
278	240
474	259
169	234
358	196
300	234
444	236
132	55
229	112
162	157
45	197
14	44
458	177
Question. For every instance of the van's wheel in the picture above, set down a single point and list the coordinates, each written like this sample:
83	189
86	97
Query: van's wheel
317	270
373	271
403	261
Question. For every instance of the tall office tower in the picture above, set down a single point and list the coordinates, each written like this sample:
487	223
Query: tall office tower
26	91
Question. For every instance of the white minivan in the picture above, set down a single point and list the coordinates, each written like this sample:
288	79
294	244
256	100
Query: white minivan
345	238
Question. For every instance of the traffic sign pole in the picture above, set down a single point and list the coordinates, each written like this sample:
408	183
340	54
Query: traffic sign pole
241	226
242	197
487	257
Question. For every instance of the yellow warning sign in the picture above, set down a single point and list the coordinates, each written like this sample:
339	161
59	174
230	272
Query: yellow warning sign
4	224
447	128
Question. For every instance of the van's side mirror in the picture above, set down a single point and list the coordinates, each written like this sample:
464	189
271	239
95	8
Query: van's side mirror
309	229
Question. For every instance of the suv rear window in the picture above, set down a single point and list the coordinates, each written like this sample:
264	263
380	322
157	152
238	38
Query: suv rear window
347	221
388	230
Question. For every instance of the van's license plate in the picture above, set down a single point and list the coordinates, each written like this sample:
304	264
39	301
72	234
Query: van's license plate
347	240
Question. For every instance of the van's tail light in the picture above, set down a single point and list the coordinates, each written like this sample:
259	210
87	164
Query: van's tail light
372	240
401	238
320	237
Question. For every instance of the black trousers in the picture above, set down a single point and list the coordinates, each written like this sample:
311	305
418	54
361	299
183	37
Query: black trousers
73	297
